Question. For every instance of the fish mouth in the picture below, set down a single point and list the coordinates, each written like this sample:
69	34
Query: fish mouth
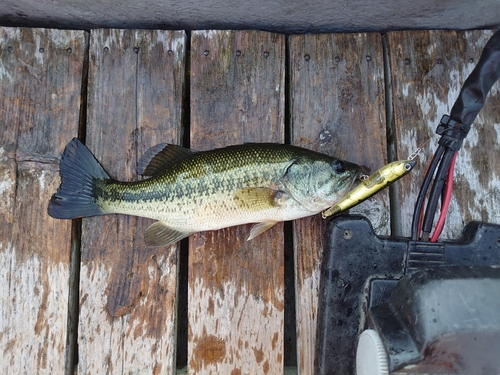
364	172
355	177
361	174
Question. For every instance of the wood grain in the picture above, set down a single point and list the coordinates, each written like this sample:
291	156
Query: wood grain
337	107
128	291
428	69
236	288
40	84
277	16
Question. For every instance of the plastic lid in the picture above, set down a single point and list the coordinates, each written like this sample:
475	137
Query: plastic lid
371	358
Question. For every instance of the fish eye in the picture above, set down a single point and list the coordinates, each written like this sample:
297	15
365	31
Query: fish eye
339	166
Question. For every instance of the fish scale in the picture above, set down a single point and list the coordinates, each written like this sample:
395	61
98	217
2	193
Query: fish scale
196	191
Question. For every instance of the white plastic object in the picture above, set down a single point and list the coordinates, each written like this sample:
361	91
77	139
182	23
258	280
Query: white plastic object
371	358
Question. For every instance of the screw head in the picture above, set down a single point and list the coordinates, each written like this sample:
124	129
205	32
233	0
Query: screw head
347	234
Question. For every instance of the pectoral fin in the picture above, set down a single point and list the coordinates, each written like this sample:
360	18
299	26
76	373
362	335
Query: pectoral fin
257	199
260	228
158	234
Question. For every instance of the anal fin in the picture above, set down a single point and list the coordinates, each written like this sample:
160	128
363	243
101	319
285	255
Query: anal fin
260	228
158	234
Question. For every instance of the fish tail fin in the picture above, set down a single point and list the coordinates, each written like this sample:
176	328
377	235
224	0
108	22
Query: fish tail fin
76	196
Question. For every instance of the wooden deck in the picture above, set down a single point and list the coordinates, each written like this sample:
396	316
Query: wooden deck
356	96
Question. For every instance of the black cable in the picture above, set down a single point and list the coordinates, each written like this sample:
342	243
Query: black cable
437	188
423	192
453	130
476	87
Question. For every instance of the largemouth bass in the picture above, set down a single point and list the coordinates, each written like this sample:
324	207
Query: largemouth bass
191	191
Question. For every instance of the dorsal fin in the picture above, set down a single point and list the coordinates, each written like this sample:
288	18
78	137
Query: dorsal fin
157	159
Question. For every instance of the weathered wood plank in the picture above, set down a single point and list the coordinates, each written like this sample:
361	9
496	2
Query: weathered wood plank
236	288
40	84
128	290
428	69
337	107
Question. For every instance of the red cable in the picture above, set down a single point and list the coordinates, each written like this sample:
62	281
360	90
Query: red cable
446	200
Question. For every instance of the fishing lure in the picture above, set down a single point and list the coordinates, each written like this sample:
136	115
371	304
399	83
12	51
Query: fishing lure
372	185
